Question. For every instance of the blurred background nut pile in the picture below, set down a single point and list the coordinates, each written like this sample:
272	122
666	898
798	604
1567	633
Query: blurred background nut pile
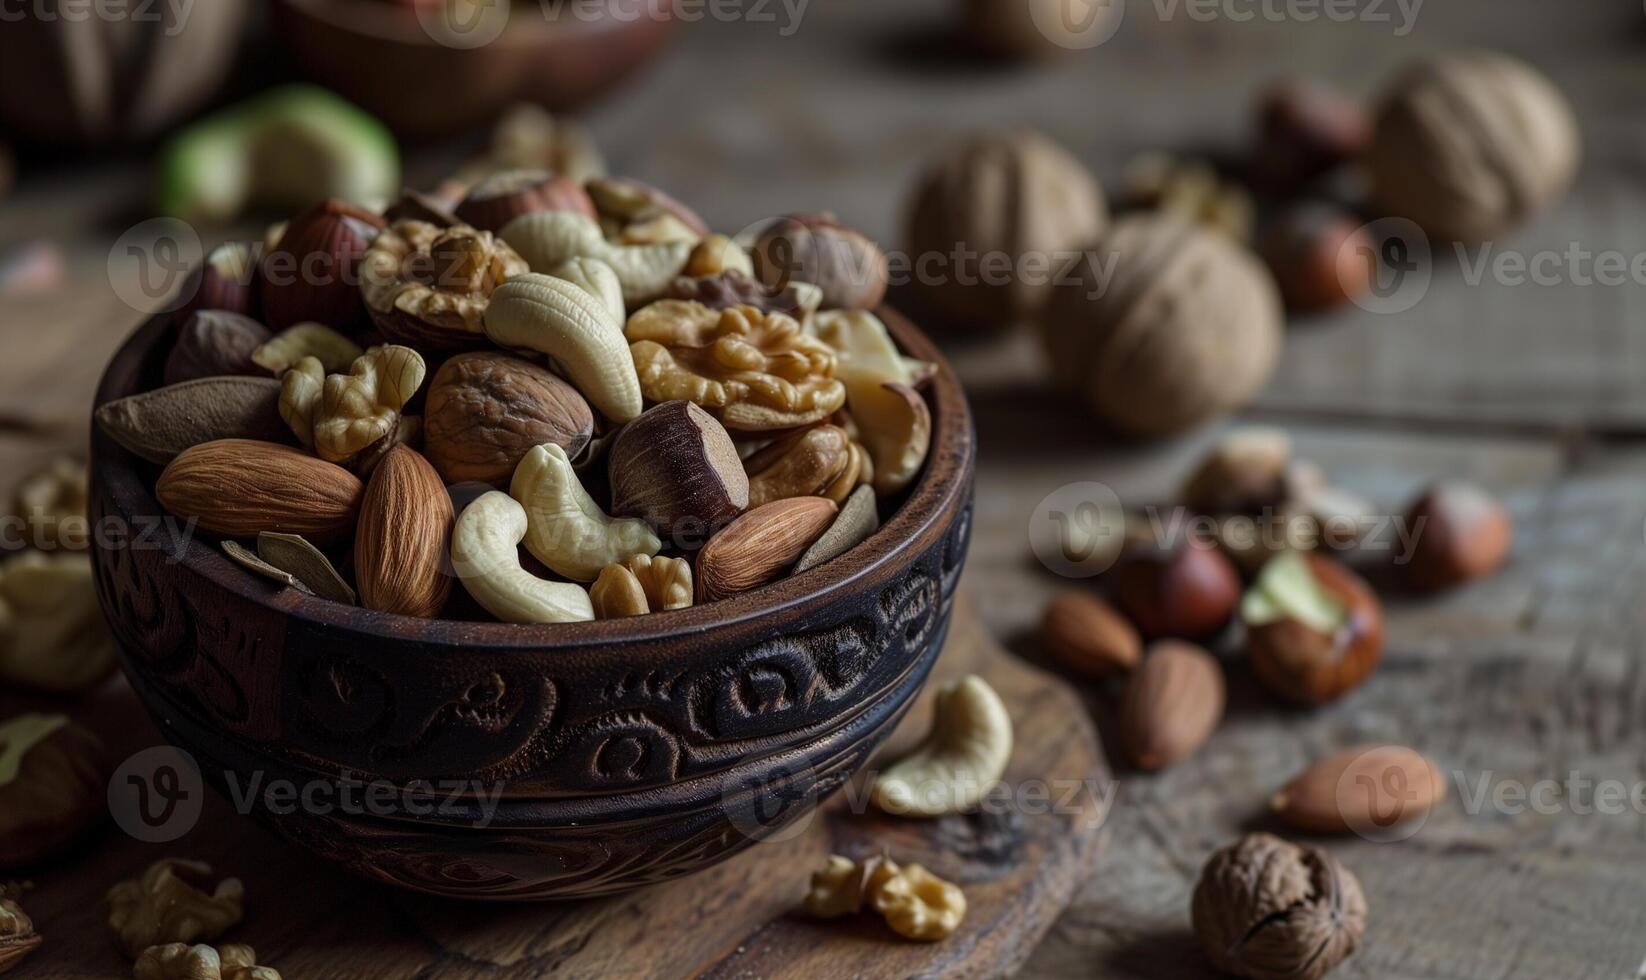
522	336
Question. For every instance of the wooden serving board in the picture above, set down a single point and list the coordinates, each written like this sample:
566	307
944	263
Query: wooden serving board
1019	860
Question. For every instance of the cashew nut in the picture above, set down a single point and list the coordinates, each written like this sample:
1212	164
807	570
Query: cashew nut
486	558
964	755
894	425
575	326
566	529
863	346
596	278
546	239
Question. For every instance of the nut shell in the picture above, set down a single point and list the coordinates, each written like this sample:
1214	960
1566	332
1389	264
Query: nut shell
1164	326
1269	910
485	411
238	488
1469	145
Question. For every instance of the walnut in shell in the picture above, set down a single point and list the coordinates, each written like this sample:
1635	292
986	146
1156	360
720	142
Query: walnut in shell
428	287
487	410
1165	326
753	371
1270	910
1469	145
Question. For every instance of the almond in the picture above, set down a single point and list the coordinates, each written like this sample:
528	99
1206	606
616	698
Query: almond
240	487
1365	789
760	546
1174	702
404	535
1089	636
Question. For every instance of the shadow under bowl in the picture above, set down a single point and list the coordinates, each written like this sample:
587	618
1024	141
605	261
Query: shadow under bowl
620	752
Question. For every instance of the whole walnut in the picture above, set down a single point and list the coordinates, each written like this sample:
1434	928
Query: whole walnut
1013	195
1270	910
487	410
1163	326
1470	145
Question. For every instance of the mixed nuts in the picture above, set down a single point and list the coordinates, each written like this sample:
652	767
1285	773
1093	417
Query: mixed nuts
531	335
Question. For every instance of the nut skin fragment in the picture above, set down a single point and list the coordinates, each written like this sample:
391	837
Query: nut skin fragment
754	371
486	558
643	584
53	636
53	787
485	411
918	904
574	325
677	469
429	287
168	904
567	530
859	517
960	760
1266	909
18	937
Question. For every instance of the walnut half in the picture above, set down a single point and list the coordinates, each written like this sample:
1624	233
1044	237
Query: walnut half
754	371
169	904
428	287
180	961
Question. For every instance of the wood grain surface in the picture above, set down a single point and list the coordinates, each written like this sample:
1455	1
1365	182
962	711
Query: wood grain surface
1538	392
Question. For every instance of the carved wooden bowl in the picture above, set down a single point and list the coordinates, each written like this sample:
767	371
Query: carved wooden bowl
626	751
381	56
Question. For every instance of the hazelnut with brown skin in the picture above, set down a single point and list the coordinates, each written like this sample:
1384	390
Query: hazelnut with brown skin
1305	130
503	197
843	262
53	787
1461	533
1315	629
1266	909
1186	590
313	272
213	343
1321	257
226	280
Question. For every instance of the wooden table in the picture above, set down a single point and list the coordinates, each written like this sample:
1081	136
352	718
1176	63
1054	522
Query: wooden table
1538	392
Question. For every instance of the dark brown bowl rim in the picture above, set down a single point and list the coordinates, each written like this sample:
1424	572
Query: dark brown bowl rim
387	22
944	485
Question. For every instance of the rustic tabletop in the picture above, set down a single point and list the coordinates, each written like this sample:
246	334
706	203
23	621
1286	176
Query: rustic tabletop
1535	390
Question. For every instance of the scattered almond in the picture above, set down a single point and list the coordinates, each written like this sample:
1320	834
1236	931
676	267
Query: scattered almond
1174	703
1362	789
1088	635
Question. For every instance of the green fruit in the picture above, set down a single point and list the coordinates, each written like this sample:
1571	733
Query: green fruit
282	150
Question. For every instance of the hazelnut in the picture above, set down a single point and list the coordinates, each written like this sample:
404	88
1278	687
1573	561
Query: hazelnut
1470	145
1245	473
1165	326
1270	910
1321	257
215	342
1010	193
677	468
487	410
1306	129
1188	591
53	787
314	271
1315	629
843	262
226	280
503	197
1461	533
1087	635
